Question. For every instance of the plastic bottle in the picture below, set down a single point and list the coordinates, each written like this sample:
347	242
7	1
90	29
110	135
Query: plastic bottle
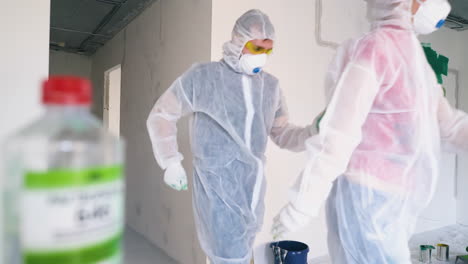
64	184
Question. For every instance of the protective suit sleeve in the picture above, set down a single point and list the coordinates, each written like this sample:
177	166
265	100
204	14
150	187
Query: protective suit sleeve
453	125
161	124
287	135
340	134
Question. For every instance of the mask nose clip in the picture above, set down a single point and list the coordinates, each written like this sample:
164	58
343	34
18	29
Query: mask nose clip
440	24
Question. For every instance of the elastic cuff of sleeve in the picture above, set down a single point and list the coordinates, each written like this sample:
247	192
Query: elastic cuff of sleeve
311	201
313	130
171	161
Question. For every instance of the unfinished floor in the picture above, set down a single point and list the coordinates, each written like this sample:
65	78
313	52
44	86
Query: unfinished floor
138	250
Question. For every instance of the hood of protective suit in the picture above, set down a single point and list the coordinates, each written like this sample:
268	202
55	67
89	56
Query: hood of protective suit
390	13
254	24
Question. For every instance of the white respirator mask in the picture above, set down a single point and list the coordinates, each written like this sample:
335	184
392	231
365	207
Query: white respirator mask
430	16
252	64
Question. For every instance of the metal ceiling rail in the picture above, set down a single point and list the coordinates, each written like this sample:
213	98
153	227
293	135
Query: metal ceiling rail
78	31
107	18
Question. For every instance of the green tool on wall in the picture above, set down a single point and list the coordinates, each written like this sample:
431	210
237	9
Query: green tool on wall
438	62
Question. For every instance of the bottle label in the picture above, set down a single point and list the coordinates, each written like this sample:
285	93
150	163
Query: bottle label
72	216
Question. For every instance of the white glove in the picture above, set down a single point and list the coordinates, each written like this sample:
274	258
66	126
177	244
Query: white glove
176	177
287	221
297	215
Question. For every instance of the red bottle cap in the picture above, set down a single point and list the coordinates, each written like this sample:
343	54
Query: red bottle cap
66	90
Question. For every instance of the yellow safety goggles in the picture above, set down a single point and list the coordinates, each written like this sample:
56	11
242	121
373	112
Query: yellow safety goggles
256	49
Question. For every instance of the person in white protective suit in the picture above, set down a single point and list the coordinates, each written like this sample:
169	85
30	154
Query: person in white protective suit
377	154
235	107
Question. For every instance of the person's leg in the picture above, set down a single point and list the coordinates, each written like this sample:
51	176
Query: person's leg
363	226
335	248
224	234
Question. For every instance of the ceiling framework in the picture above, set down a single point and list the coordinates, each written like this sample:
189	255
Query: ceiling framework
84	26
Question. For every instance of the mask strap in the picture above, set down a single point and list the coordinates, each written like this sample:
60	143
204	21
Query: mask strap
420	4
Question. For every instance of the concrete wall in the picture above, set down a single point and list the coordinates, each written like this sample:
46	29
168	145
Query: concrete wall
462	180
63	63
25	56
453	44
153	51
454	170
25	45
